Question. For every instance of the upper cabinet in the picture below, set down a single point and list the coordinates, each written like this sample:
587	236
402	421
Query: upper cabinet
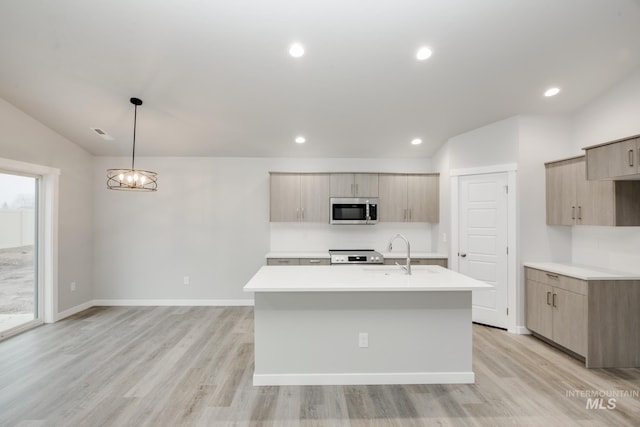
354	185
614	160
299	197
408	198
573	200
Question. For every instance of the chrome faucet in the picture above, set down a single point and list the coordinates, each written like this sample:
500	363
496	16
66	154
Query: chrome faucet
406	268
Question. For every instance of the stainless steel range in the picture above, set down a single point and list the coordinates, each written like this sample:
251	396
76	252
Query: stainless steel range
355	256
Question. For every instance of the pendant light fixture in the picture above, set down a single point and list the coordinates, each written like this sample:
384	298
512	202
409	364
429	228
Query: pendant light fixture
132	179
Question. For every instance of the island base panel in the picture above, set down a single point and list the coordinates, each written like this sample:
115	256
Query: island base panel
312	338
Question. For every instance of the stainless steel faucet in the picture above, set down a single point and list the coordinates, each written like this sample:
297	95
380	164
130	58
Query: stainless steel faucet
406	268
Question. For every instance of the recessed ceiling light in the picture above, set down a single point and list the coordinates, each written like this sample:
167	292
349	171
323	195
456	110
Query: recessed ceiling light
296	50
300	140
416	141
552	92
423	53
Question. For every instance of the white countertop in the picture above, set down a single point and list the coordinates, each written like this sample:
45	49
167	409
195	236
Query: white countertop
325	254
359	278
582	272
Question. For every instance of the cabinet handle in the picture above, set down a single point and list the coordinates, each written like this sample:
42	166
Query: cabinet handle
314	261
357	191
573	212
554	300
552	276
302	213
630	157
284	261
405	214
580	213
548	295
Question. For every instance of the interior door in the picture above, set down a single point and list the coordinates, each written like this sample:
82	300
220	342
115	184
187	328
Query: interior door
483	243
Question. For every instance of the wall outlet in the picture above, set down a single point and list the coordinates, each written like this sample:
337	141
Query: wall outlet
363	340
186	280
72	286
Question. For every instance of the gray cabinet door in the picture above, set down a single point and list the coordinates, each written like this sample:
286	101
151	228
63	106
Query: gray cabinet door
539	314
283	261
392	202
366	184
354	185
561	192
423	198
314	198
615	160
342	185
284	197
595	199
570	320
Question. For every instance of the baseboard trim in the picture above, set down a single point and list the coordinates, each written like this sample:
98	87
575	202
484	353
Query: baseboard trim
522	330
173	302
153	302
364	379
73	310
20	329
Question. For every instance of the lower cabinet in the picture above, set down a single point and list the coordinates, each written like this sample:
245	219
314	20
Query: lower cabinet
443	262
297	261
596	319
555	312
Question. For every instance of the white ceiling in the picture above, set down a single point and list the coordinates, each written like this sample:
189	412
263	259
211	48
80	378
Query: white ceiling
216	78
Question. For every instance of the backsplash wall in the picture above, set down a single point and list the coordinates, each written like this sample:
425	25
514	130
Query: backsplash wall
296	237
614	248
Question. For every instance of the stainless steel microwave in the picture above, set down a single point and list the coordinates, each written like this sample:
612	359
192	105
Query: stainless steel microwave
349	210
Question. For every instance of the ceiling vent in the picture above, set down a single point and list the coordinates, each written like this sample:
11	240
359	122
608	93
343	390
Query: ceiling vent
104	135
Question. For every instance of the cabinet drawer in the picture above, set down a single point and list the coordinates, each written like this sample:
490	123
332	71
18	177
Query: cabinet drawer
283	261
443	262
567	283
314	261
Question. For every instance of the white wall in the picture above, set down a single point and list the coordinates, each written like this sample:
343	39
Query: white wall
320	237
613	115
490	145
24	139
493	144
528	141
209	220
542	139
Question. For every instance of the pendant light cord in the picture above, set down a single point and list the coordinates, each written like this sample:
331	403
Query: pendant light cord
133	155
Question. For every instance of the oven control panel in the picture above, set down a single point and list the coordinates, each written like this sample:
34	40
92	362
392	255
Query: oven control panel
356	257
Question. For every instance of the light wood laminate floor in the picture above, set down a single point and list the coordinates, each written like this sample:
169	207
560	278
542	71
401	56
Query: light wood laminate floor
193	366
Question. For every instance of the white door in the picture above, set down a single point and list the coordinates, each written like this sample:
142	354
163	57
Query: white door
482	245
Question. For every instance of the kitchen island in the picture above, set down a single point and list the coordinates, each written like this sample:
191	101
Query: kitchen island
356	324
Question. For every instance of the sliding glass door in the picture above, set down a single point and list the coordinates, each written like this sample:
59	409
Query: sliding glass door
18	251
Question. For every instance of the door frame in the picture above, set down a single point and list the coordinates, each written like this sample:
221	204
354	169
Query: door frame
512	266
47	223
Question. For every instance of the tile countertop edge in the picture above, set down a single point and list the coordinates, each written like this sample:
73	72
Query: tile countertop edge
582	272
392	255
